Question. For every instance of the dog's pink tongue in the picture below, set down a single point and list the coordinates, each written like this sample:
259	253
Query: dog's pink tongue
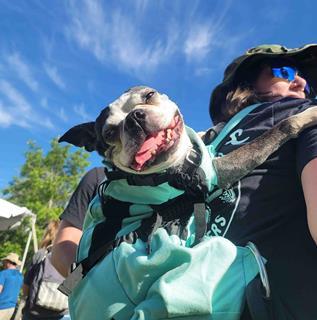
147	149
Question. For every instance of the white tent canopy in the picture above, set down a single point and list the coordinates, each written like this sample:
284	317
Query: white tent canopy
11	215
10	218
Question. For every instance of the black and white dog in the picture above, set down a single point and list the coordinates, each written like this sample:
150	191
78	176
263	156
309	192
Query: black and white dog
142	132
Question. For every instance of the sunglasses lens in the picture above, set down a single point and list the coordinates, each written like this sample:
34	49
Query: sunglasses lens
287	73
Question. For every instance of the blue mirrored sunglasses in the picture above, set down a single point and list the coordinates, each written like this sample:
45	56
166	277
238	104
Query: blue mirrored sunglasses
289	74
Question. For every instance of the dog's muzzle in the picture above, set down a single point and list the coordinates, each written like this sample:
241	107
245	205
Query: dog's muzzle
149	147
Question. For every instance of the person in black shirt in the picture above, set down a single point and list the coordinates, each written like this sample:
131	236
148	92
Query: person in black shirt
275	206
70	229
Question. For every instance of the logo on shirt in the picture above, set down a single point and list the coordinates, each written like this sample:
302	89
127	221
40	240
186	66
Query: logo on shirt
234	138
223	209
228	196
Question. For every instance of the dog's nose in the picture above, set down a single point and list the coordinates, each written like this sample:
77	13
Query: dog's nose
135	118
138	114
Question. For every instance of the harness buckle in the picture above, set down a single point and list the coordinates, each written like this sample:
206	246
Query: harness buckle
192	153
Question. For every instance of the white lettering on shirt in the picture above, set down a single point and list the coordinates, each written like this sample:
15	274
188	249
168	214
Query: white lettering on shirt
234	138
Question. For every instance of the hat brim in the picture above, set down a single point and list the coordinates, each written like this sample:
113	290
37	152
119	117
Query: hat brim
17	262
304	57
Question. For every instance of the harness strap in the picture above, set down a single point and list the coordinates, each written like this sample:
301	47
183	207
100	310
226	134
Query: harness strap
188	177
211	134
102	241
152	180
231	124
200	221
83	267
191	178
105	232
71	280
192	161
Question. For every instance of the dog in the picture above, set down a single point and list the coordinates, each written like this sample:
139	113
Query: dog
143	132
143	136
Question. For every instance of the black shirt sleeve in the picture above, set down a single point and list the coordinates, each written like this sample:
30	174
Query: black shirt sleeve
306	148
306	143
86	190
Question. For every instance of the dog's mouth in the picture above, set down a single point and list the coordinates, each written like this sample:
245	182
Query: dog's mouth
156	144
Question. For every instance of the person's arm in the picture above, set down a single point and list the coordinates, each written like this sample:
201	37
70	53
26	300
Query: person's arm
2	280
65	247
69	231
309	183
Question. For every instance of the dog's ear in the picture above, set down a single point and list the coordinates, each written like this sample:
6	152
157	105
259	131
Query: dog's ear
82	135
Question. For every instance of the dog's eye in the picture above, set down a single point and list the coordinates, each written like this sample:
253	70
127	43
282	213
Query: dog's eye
148	96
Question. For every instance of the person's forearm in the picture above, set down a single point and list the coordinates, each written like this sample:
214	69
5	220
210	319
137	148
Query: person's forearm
309	183
65	247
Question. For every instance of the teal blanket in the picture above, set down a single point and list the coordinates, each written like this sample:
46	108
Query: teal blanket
204	282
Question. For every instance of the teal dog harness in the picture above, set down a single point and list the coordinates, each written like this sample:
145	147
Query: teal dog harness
144	253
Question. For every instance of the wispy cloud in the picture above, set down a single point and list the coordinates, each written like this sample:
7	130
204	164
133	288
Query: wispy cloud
89	27
15	97
80	110
54	75
198	42
206	36
115	37
134	40
18	111
132	51
22	70
5	117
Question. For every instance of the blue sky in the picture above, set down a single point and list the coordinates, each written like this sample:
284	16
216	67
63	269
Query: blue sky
61	62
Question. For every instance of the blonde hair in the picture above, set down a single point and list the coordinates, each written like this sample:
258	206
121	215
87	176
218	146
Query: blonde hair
50	234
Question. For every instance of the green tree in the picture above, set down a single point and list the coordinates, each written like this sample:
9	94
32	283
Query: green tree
44	186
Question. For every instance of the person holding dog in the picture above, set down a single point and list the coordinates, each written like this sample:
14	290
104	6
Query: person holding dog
275	206
10	284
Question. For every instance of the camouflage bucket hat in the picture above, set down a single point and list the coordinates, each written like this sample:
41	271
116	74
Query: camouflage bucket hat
304	57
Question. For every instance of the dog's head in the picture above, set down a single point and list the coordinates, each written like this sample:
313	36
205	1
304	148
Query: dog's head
140	132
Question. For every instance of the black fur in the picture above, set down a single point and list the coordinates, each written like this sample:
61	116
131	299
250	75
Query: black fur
90	135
